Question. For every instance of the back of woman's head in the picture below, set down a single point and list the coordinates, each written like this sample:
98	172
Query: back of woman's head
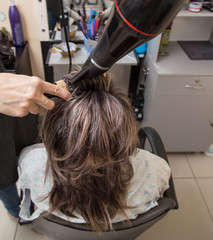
89	140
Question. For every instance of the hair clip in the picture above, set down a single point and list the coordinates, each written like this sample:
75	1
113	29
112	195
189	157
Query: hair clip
62	83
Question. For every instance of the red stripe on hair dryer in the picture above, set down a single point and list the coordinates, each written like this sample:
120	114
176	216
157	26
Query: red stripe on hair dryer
130	24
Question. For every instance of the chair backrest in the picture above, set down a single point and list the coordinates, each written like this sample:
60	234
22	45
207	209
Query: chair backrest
59	229
151	135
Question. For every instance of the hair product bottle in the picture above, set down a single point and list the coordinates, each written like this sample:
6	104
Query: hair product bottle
163	50
16	27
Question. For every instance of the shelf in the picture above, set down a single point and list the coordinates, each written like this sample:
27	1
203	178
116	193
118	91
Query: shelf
79	58
202	13
178	63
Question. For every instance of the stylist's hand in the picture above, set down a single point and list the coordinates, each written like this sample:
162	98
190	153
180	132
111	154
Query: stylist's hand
20	94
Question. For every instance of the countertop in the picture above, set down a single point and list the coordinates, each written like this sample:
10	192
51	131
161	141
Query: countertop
79	58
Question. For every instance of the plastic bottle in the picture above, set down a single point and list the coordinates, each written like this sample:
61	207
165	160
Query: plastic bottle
16	27
165	40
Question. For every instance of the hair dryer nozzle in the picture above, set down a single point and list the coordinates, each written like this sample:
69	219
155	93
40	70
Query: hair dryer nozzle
81	75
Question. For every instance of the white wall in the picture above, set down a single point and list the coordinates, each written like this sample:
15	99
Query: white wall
191	28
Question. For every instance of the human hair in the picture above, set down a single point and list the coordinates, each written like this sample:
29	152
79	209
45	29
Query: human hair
89	140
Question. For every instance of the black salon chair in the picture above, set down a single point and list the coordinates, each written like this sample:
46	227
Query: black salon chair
59	229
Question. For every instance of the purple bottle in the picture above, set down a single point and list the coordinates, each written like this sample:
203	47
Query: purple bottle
16	27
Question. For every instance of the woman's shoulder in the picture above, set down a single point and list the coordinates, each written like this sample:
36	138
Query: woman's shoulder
150	180
147	159
146	163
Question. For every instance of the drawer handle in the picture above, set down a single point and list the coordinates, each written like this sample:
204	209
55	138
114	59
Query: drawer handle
195	87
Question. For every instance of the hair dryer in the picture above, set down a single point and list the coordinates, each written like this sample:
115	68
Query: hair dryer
130	24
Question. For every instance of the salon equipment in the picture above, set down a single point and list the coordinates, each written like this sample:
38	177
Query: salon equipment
130	24
59	229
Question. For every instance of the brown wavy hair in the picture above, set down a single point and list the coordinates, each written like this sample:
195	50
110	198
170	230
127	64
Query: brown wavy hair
89	140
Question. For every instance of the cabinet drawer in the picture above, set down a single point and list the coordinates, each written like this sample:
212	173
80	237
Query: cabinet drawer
181	85
183	122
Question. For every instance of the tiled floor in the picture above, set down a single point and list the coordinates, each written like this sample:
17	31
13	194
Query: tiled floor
193	178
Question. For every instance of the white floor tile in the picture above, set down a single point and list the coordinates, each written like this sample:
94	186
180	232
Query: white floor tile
7	225
26	233
190	222
202	165
179	165
206	186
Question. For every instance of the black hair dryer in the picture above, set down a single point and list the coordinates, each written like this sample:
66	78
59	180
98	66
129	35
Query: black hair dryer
130	24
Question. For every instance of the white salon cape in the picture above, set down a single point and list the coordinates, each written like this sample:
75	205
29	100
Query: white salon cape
151	177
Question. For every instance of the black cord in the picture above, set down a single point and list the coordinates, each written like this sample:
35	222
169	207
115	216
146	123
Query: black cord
66	36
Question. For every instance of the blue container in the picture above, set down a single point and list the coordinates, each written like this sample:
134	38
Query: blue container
89	45
141	49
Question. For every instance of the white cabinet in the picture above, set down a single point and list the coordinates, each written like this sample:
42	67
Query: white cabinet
179	91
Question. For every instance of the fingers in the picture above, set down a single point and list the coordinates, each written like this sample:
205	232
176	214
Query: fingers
46	103
49	88
34	109
36	94
55	90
